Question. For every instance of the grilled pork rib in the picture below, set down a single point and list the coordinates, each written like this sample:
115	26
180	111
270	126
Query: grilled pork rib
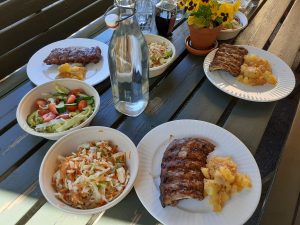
84	56
181	175
229	58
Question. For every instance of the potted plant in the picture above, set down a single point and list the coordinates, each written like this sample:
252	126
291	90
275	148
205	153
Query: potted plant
206	18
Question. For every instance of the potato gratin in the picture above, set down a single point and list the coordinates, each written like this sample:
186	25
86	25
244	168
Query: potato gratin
222	180
93	176
256	71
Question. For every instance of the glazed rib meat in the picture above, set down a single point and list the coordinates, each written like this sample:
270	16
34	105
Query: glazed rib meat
181	175
84	56
229	58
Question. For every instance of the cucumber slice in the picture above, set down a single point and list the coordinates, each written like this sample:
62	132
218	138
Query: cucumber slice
61	107
83	98
71	104
82	95
62	90
51	100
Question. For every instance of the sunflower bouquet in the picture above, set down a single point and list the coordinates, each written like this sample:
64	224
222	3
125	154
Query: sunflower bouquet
209	13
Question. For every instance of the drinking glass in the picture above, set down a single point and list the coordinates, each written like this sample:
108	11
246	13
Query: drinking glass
144	15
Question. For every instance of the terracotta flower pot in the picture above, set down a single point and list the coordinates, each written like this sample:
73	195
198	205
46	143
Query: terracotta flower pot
203	38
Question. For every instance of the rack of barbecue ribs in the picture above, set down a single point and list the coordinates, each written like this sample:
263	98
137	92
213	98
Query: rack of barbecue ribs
181	175
229	58
84	56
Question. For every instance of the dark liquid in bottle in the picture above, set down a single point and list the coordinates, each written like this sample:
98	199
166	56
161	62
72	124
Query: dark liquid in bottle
165	17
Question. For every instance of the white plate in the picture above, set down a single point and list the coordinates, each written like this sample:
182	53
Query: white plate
265	93
193	212
40	73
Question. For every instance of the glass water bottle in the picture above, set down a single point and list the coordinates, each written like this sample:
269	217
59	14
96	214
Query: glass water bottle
128	62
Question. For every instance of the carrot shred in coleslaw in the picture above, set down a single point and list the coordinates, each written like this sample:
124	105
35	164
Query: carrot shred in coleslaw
91	177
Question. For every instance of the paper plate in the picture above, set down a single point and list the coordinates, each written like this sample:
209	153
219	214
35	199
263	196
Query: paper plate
40	73
189	211
265	93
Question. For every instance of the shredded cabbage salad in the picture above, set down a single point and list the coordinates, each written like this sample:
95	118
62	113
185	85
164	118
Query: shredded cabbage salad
91	177
159	53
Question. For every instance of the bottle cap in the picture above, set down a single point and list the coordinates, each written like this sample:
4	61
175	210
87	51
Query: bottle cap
111	20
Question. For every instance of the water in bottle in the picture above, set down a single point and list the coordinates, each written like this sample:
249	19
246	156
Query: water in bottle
128	63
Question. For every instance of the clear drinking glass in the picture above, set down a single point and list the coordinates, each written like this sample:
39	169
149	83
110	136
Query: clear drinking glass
128	63
144	14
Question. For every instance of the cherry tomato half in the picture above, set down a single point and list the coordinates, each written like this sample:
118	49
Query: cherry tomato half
40	103
71	99
52	108
72	108
76	91
82	104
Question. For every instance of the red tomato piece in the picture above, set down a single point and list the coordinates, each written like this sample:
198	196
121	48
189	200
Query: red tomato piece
76	91
71	99
82	104
52	108
40	103
72	108
49	116
42	112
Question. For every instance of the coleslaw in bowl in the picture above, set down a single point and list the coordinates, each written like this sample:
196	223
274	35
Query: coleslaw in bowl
89	170
161	54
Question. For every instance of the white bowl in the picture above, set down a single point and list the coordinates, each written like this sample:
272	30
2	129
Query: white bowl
231	33
26	105
155	71
68	144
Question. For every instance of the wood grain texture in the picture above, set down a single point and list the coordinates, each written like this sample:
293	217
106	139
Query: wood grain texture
13	10
260	28
20	191
165	99
38	23
286	183
14	145
19	56
11	101
207	104
248	121
286	43
57	217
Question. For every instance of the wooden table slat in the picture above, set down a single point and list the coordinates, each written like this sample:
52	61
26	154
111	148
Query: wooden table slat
286	185
165	99
248	121
287	41
15	144
20	191
207	104
56	216
260	28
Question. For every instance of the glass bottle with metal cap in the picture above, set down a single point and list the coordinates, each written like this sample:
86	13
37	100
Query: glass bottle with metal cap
128	61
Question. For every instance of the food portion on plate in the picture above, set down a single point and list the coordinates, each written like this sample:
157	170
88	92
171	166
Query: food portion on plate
181	175
72	60
256	71
247	68
187	173
229	58
73	71
82	55
159	53
92	176
222	179
61	110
